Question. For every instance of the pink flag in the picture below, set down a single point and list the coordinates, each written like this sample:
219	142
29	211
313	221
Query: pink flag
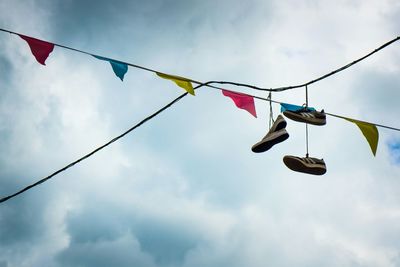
242	101
40	49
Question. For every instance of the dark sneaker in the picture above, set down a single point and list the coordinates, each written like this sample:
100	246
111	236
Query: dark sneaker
308	116
307	165
275	135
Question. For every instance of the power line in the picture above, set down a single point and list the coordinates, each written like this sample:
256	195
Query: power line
97	149
284	88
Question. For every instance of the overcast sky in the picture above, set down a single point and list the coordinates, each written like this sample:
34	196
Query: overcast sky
185	189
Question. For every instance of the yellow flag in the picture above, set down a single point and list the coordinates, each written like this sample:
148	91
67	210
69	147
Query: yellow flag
370	132
180	81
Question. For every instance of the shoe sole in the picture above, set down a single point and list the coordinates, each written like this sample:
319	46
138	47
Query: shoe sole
265	145
299	118
299	166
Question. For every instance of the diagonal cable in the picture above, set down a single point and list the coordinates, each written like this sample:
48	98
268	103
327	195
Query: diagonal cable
97	149
138	125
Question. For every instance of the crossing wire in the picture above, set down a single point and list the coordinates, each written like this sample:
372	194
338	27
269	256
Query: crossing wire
4	199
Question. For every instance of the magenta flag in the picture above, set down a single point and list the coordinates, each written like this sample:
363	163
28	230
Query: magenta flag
242	101
40	49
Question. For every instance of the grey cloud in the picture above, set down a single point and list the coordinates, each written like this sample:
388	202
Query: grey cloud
19	223
123	251
93	225
396	260
163	241
167	242
375	94
146	27
375	90
6	68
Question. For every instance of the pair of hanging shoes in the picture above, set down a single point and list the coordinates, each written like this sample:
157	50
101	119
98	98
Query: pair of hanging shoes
308	164
278	134
275	135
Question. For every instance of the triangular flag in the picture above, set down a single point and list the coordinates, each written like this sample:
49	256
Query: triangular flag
180	81
40	49
118	67
242	101
370	132
290	107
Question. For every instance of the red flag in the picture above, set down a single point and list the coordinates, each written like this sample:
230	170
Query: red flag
40	49
242	101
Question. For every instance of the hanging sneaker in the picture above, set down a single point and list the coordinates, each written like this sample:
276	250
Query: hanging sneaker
308	116
307	165
275	135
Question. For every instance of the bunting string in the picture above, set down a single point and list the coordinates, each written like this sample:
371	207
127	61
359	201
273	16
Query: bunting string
209	84
41	50
360	121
